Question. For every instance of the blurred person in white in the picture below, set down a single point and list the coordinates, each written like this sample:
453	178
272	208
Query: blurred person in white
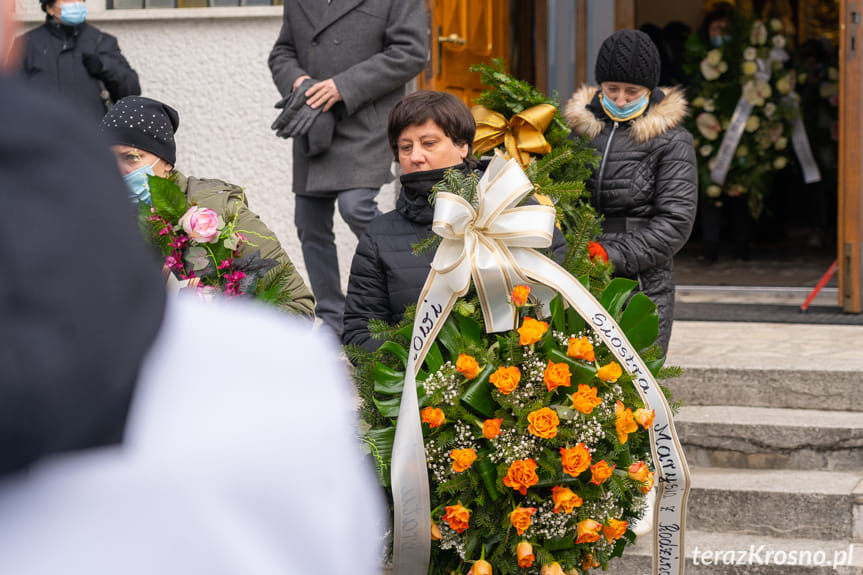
141	434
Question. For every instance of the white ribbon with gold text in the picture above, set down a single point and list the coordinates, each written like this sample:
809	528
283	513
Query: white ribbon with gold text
494	244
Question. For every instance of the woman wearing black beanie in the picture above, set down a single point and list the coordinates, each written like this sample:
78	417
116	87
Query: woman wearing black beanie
646	184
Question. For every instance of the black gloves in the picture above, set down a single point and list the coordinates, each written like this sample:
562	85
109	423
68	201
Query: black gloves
296	117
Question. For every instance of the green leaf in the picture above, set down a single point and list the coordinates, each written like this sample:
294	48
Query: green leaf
197	257
471	330
581	373
640	322
449	337
434	358
574	322
389	407
655	365
488	473
168	199
397	350
616	294
478	395
381	446
387	380
558	314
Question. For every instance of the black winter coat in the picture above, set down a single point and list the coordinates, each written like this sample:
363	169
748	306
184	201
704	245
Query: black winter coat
386	276
646	189
73	60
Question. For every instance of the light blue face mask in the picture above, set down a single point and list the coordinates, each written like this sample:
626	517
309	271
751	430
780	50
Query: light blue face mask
628	110
73	13
718	41
139	184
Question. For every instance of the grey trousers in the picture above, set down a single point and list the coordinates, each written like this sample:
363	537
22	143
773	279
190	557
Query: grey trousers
313	216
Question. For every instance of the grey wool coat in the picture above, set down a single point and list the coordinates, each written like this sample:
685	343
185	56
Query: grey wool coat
371	49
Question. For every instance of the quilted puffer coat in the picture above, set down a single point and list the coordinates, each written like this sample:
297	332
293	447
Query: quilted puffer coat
645	187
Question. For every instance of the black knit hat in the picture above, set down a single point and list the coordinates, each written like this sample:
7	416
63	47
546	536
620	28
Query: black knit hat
143	123
628	56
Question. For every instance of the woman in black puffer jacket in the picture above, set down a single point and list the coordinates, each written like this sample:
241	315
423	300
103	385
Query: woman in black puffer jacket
429	133
646	185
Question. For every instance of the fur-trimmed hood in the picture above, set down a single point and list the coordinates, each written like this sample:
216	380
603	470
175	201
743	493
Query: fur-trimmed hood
660	117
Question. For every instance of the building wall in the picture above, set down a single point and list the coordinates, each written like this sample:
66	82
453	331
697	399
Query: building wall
213	70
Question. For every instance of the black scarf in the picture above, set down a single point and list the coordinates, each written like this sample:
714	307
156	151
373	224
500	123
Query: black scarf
413	202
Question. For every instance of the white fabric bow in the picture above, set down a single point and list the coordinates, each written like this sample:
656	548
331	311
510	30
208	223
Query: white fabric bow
480	242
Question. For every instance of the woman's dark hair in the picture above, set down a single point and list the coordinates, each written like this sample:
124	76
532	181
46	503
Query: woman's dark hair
446	110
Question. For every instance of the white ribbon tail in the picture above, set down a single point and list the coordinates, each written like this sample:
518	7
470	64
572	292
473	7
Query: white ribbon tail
409	471
672	487
730	141
803	151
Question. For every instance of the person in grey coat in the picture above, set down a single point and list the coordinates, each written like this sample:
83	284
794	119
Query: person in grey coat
646	185
352	59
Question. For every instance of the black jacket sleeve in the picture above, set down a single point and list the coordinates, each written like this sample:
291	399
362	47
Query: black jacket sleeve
367	296
114	70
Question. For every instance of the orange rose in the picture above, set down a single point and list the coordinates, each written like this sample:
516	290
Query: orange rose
462	459
552	569
480	567
556	375
520	518
521	475
519	295
588	531
467	366
524	553
434	416
588	562
648	483
457	517
600	472
580	348
609	372
543	422
644	417
575	459
564	499
505	379
585	399
624	422
614	530
436	535
638	471
491	428
531	331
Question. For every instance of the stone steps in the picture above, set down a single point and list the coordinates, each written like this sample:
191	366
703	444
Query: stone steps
790	389
732	554
825	505
771	438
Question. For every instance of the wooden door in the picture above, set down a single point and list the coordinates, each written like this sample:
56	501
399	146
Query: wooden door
850	240
463	33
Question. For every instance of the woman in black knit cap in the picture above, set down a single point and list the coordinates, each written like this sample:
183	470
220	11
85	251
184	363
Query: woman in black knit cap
141	131
646	184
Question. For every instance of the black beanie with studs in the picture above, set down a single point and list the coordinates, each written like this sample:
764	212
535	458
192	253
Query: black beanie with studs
628	56
143	123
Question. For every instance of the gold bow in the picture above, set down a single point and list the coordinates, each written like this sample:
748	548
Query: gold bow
521	135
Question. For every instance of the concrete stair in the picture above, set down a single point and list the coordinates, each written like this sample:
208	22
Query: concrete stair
775	446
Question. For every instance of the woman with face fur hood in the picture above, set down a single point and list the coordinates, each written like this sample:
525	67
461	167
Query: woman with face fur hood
646	184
